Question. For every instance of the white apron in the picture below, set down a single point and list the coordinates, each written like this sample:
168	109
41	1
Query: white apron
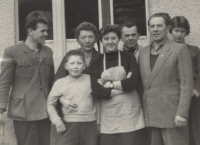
123	112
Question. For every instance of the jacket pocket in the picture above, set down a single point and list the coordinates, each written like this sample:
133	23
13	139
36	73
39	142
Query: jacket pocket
16	108
24	69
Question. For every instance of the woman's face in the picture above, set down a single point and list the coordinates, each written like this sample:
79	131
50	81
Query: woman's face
179	34
110	42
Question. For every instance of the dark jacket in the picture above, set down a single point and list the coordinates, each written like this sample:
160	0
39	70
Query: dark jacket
30	79
195	56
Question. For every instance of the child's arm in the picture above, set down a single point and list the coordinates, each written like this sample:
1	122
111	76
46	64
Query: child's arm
51	107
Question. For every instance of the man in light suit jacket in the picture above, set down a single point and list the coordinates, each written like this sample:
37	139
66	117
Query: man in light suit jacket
28	69
166	72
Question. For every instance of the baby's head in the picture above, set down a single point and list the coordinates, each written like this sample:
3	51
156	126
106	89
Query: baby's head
75	62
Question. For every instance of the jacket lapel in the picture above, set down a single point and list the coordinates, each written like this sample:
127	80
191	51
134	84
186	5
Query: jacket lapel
43	55
146	63
162	58
28	51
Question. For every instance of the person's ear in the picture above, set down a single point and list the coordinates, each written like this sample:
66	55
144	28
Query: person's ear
30	31
168	28
65	65
84	65
138	35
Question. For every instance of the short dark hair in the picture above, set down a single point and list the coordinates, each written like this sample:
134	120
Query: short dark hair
76	52
110	28
87	27
33	18
165	16
180	21
129	24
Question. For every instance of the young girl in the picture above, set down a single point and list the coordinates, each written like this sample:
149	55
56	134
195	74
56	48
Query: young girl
78	125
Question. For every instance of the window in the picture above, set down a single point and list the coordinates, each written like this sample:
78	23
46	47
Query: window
130	10
78	11
27	6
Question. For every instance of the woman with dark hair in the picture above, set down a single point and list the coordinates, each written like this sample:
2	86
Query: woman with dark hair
115	76
180	28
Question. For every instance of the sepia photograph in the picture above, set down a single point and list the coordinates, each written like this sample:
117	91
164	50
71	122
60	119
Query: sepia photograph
99	72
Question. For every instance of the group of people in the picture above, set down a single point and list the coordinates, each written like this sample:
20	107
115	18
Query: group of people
125	96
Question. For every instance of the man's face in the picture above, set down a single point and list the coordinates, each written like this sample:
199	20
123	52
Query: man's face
158	30
86	40
130	36
39	35
179	34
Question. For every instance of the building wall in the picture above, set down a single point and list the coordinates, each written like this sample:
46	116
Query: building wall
7	28
188	8
7	38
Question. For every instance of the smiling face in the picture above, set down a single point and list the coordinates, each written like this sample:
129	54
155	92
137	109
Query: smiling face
86	40
179	34
158	29
110	42
75	65
39	35
130	36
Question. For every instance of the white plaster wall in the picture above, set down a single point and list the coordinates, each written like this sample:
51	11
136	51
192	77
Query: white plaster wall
7	38
188	8
7	32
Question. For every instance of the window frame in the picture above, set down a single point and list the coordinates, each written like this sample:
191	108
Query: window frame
16	17
147	17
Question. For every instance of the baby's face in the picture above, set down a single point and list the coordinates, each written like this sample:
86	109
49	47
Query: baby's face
75	66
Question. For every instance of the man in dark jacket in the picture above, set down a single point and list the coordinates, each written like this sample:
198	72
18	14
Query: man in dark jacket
28	69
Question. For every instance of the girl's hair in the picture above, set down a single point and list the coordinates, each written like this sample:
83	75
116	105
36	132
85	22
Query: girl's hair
182	22
110	28
77	52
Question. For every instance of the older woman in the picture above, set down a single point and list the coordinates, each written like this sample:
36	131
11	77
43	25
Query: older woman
115	76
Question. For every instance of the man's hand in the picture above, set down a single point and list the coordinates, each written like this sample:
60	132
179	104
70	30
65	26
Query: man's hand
180	121
70	106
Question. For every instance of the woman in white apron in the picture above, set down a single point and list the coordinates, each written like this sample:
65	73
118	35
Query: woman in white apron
115	76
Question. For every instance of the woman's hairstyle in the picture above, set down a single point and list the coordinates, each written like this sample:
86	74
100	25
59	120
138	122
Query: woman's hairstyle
110	28
77	52
33	18
180	21
87	27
